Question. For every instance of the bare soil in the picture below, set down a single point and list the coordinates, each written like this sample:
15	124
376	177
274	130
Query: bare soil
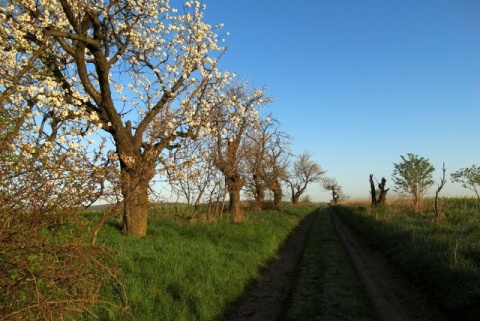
393	297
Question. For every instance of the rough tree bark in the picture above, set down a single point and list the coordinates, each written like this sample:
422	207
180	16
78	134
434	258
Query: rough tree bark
136	173
276	188
259	192
296	194
234	186
135	210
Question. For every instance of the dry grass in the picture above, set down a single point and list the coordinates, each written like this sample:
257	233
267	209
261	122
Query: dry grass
366	202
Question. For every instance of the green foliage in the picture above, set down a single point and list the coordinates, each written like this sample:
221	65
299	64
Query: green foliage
193	271
413	176
442	257
469	178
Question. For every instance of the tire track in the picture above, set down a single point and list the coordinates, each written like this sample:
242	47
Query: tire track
392	295
264	299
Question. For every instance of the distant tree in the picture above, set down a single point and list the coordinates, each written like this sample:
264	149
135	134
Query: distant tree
255	162
469	178
331	185
382	192
304	172
276	164
268	162
413	176
192	176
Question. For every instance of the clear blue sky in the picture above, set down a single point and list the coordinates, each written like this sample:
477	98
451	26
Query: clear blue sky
359	83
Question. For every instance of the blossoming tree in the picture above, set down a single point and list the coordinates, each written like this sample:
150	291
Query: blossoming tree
236	113
141	72
46	272
273	145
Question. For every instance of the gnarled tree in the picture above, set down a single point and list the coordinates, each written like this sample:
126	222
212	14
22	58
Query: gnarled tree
276	162
303	172
331	185
382	192
141	71
267	164
255	162
235	113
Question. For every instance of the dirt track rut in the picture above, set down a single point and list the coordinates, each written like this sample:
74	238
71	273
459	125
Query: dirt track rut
265	298
392	296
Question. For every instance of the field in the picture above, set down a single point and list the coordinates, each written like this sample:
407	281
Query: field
192	271
443	257
194	267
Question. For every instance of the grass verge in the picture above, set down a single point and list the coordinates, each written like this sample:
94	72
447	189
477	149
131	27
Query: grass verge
194	271
443	257
327	287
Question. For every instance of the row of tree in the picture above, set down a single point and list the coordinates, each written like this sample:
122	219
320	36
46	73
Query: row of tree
98	99
143	78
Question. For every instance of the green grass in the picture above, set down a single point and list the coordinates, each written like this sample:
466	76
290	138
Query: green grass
442	257
326	285
193	271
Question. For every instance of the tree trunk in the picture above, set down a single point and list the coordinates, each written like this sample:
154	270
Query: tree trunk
373	191
335	196
234	186
438	213
277	197
417	202
235	205
295	198
382	198
259	192
274	185
437	206
135	203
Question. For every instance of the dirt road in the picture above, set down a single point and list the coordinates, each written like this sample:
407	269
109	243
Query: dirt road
265	298
391	295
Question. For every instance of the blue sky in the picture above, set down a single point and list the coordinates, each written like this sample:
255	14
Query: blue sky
359	83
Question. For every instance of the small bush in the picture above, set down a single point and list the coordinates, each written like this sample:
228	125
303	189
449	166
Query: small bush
49	273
